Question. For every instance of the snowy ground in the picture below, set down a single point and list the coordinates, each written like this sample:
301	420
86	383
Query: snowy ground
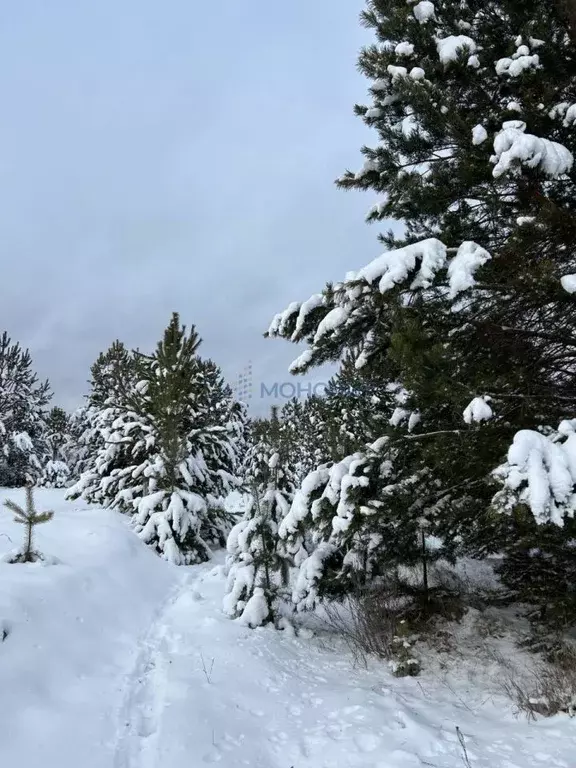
115	659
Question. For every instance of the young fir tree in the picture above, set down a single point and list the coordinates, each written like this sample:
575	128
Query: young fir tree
30	518
162	438
58	441
470	309
257	571
23	402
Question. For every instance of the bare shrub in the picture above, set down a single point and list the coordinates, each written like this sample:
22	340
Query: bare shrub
546	689
382	621
387	619
368	622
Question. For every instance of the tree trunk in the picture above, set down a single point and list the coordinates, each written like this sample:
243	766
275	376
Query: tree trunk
424	565
28	552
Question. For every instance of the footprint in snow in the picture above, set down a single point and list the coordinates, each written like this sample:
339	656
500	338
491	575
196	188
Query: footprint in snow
146	725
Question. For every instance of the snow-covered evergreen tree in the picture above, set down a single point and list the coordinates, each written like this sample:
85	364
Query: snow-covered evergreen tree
190	462
164	436
221	416
471	308
58	440
104	452
80	448
23	402
361	519
303	432
257	569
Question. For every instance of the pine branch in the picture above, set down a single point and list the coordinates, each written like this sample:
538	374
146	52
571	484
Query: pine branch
13	507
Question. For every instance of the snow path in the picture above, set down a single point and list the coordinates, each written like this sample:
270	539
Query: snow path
207	690
140	712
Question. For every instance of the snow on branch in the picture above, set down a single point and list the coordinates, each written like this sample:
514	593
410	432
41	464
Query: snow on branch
566	111
568	282
540	472
462	268
479	134
423	261
404	49
349	304
478	410
424	11
394	267
278	324
449	48
517	64
514	148
521	60
396	73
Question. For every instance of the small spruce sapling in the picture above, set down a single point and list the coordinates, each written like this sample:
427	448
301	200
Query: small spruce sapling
28	517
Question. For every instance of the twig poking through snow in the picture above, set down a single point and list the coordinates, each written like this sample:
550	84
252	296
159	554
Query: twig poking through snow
465	758
207	672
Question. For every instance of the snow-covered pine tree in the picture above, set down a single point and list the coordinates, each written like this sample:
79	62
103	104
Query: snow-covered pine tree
23	402
470	310
113	376
302	425
162	435
179	472
224	422
79	454
58	439
361	519
257	569
106	453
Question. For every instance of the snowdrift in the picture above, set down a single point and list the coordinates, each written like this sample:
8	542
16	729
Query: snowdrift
69	627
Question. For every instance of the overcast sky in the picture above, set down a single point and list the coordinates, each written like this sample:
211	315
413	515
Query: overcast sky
176	155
